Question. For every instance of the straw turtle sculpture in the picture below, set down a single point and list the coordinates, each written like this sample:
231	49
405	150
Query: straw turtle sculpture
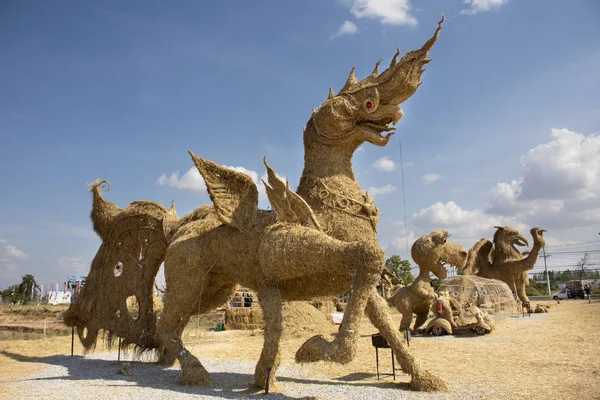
317	241
431	253
501	260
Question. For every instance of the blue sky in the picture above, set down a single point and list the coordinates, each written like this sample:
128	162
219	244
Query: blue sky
504	129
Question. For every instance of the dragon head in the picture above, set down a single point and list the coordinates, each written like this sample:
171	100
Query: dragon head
507	237
364	110
434	251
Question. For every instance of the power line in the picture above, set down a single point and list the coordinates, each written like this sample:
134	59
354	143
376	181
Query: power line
575	251
404	201
572	244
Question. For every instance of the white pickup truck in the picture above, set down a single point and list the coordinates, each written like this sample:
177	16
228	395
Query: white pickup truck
563	294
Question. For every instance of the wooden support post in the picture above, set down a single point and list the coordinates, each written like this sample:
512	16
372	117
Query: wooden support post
72	339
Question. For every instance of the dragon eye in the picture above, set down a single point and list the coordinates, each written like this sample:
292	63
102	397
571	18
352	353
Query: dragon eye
369	104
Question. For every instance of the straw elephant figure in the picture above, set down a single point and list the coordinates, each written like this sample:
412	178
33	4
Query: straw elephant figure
501	260
317	241
431	252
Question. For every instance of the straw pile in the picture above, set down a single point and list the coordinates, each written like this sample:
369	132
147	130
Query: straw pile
243	318
541	308
299	319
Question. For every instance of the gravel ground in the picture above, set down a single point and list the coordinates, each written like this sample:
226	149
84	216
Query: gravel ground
95	377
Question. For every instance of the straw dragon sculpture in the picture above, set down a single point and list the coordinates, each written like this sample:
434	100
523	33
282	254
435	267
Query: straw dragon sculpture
431	252
501	260
317	241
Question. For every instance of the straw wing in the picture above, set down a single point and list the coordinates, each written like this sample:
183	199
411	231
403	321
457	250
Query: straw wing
287	205
233	193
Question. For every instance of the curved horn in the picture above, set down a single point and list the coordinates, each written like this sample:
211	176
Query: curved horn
429	44
103	212
395	59
375	72
331	94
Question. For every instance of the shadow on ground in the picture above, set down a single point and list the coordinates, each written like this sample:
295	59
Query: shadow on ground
227	385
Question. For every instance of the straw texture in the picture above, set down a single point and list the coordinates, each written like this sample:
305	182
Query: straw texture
318	241
431	252
501	260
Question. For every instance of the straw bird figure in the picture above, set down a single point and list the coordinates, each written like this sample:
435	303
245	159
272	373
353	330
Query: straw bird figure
317	241
501	260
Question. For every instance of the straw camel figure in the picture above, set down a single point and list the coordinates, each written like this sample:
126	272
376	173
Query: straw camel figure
501	260
317	241
431	252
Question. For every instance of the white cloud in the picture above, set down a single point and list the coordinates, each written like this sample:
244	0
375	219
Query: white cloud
192	181
465	226
430	178
559	189
390	12
347	28
559	184
10	257
73	264
11	251
385	164
477	6
376	191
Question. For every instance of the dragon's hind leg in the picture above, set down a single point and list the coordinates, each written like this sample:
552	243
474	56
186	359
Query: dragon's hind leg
175	317
421	319
270	301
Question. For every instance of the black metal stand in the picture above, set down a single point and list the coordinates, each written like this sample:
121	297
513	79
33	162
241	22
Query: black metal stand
393	364
379	342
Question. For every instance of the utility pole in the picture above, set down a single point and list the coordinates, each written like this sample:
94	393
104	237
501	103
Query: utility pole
546	267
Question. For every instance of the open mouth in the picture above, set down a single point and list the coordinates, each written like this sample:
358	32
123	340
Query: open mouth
444	266
378	127
520	243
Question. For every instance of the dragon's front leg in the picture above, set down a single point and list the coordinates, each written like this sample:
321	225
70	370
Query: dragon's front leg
292	252
378	313
343	348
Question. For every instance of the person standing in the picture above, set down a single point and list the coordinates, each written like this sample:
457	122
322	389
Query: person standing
588	293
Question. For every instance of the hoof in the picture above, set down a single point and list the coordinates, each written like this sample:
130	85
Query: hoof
426	382
194	375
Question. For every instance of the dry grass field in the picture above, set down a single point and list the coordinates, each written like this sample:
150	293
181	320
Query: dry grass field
554	355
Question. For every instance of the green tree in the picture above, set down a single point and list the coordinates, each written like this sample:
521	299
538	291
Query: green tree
21	292
27	287
401	268
436	283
